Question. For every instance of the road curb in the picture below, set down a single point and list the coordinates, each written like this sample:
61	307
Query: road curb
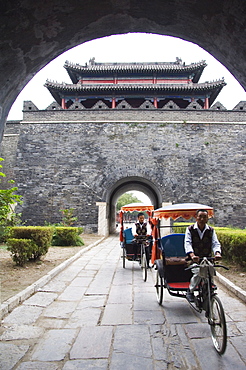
11	303
240	293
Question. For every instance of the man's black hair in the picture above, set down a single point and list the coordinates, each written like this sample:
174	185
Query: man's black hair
201	210
141	214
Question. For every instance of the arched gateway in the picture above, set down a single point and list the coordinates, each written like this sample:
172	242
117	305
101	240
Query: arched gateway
127	184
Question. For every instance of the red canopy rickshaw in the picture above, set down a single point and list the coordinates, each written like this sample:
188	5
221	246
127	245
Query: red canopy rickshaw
173	211
127	238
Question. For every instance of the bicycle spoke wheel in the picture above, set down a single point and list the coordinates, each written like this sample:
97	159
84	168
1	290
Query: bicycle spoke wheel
159	287
144	266
124	257
218	325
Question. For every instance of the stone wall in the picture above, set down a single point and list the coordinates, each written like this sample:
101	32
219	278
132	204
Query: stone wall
76	164
148	115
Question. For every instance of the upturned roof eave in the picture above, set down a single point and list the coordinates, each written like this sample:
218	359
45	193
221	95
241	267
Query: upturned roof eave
158	66
75	71
137	88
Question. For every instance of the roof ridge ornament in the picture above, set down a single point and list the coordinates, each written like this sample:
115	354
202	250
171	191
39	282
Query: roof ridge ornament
92	61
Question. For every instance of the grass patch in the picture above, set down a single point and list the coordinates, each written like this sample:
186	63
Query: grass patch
3	246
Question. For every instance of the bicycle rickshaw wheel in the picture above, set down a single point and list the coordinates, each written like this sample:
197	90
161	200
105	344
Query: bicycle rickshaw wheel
124	257
218	325
144	266
159	287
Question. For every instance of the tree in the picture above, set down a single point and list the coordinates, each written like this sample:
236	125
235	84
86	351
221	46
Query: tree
68	217
126	199
8	200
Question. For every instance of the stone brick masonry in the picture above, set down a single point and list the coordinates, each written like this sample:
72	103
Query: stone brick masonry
61	163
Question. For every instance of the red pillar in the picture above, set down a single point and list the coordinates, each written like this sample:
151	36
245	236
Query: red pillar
155	250
121	226
63	104
206	103
113	103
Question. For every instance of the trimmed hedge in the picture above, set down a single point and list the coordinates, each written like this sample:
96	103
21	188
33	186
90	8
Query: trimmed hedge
180	227
67	236
39	238
232	240
21	250
233	244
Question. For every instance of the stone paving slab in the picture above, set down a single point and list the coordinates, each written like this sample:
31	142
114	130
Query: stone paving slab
178	311
133	340
81	281
60	309
10	354
17	332
84	317
54	345
72	293
24	315
41	299
239	343
51	323
55	285
97	315
92	342
120	294
130	362
34	365
92	301
230	360
117	314
86	364
149	317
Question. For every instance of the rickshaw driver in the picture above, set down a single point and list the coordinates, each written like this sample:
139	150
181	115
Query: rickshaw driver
200	241
141	228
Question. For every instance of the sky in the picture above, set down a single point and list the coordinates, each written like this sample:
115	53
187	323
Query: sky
132	47
141	196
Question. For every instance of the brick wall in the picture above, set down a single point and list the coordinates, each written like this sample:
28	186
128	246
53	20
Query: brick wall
76	164
148	115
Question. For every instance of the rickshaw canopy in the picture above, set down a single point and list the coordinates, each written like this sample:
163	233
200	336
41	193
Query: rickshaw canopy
131	207
174	211
184	210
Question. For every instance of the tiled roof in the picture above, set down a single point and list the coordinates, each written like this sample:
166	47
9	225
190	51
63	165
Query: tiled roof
91	88
134	67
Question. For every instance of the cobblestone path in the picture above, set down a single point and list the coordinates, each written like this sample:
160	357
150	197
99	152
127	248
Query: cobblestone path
97	315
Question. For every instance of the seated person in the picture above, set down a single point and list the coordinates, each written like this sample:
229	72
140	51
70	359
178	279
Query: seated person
141	228
200	241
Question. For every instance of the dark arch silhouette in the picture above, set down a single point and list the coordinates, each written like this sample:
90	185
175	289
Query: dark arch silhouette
128	184
35	32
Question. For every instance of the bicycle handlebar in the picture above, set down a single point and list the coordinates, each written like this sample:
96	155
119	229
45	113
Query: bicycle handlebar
211	259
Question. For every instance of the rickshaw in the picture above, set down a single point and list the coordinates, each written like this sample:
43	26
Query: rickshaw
127	239
173	272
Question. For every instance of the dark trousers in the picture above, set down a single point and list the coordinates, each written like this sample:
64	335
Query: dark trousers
137	250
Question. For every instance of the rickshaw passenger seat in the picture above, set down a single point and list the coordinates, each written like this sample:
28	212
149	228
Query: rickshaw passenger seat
173	245
128	236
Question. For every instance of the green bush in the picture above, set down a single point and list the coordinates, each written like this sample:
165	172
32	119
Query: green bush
180	227
67	236
22	250
233	244
41	235
232	240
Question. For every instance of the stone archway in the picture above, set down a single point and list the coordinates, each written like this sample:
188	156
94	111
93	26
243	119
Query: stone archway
35	32
129	184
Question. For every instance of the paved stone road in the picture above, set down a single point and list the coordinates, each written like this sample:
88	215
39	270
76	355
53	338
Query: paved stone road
97	315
